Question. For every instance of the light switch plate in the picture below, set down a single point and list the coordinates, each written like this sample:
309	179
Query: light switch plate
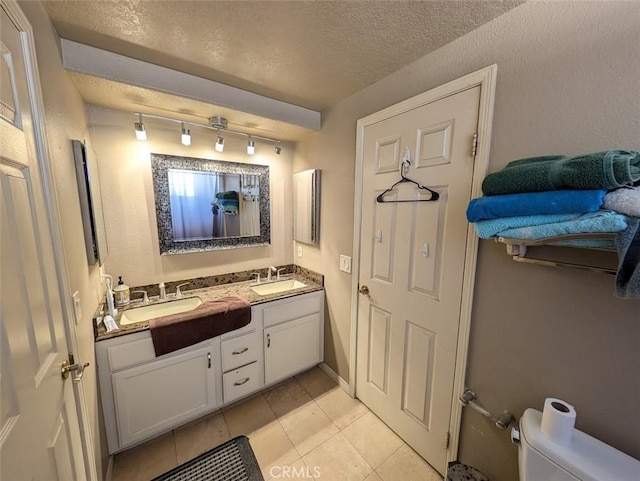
299	251
77	306
345	264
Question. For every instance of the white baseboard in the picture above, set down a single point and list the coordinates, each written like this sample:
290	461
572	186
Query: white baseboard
109	475
334	376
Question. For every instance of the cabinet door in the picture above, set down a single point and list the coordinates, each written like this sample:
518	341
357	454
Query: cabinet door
291	347
157	396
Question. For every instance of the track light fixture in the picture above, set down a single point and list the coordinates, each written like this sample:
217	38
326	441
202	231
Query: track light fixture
186	135
141	134
216	123
219	143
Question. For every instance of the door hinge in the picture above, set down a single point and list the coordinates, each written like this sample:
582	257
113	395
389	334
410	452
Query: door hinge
474	145
447	440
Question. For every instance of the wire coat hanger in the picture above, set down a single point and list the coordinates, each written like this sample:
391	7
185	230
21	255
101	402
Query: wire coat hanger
407	160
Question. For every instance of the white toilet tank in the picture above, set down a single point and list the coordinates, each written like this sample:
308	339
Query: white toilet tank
585	459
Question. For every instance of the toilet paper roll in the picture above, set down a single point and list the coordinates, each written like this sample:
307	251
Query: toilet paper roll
558	419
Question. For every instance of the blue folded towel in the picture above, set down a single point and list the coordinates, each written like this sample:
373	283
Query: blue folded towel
533	203
628	275
601	221
492	227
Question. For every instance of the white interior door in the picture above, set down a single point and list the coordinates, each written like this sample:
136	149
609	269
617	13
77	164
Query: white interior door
412	259
39	429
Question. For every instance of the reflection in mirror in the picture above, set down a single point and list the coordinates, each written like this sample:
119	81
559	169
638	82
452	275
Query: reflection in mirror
205	205
210	205
90	202
306	206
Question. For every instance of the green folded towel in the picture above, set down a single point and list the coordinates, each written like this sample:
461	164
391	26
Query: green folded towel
229	194
601	170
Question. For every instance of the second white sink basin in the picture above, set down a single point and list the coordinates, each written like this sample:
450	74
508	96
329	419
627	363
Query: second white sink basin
144	313
276	287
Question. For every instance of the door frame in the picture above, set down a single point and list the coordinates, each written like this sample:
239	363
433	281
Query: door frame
36	104
486	79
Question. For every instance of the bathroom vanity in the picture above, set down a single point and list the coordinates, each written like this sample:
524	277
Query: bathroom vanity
144	395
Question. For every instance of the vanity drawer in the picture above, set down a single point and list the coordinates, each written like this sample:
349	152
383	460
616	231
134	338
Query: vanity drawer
130	354
240	351
241	382
288	309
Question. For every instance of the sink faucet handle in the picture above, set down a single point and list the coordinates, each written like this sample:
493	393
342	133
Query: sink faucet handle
257	276
178	291
145	297
279	271
269	271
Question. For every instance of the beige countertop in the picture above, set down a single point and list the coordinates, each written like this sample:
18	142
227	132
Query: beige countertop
241	289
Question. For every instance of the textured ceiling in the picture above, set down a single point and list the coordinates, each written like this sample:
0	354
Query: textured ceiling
308	53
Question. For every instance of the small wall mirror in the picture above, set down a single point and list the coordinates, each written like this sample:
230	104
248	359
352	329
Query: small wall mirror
306	206
209	204
95	236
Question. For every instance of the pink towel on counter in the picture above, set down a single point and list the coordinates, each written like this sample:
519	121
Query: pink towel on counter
210	319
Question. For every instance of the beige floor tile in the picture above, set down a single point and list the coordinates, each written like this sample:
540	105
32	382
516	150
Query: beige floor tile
146	461
308	427
316	382
273	448
341	408
372	438
373	477
406	465
337	460
287	397
298	471
248	417
200	436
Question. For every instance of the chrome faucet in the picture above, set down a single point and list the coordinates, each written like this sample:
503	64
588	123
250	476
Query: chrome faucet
269	271
257	276
163	291
279	271
178	291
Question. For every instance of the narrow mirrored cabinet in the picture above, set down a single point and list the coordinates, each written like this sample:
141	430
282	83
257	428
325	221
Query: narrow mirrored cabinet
306	206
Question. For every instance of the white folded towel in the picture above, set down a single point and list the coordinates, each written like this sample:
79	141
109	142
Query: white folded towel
625	200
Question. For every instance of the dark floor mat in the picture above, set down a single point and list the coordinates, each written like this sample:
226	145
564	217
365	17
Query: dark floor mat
231	461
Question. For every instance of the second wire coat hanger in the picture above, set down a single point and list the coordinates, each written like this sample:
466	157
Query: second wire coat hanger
407	160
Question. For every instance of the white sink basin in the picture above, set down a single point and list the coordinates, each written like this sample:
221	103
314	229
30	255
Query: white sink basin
144	313
276	287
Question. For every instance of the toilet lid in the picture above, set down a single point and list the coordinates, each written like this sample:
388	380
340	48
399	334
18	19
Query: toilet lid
586	457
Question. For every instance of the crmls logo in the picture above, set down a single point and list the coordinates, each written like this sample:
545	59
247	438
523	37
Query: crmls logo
284	472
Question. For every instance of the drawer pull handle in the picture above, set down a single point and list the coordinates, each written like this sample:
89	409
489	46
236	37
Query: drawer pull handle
268	340
240	383
209	360
243	350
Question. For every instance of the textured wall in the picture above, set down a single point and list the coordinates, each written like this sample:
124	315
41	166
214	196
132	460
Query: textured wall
568	82
130	216
66	120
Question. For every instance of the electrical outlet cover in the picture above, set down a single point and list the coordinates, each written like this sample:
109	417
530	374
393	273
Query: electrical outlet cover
299	251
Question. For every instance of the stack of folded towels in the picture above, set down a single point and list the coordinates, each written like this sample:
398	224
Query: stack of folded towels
542	197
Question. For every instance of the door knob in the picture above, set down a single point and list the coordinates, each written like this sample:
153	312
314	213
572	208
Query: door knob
364	290
69	365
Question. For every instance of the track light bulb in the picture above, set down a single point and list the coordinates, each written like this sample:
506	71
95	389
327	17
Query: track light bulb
186	135
278	149
141	133
251	146
219	144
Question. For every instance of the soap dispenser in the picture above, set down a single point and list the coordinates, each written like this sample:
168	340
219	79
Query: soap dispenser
122	294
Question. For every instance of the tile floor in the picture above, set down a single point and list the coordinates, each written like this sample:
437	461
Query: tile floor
306	428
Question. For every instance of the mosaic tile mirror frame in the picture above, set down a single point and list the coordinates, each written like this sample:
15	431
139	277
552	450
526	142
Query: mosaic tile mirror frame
205	205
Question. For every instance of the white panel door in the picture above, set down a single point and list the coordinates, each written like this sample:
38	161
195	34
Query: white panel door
412	261
39	431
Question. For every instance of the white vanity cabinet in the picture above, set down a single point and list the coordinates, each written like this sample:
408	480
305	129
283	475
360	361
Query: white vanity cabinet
144	395
293	335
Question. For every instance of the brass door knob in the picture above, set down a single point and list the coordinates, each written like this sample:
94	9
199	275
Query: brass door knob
365	290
